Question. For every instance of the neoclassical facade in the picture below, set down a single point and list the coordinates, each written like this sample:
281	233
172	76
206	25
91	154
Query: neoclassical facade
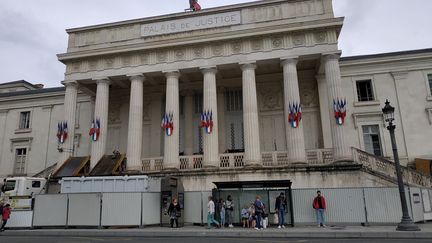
253	91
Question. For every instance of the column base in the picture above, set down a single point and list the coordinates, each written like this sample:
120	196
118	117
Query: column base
342	161
170	169
253	164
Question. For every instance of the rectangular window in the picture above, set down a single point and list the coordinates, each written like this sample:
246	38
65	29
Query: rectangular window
234	100
430	82
20	159
371	139
364	90
198	103
24	120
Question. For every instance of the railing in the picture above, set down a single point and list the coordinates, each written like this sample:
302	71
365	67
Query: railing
387	168
235	160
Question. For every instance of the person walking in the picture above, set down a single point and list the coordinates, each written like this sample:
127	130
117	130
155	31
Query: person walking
222	212
174	211
319	204
5	216
259	210
211	212
229	211
280	207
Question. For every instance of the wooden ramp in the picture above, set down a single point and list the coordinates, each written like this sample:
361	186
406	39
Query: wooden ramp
74	166
109	165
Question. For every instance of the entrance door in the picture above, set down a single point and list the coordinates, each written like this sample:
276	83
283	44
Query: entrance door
273	133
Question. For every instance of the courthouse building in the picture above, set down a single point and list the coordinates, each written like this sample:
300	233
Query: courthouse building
253	91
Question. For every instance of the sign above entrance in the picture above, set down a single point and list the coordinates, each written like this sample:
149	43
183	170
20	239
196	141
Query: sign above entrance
189	24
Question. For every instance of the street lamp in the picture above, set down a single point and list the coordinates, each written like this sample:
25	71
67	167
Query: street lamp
406	224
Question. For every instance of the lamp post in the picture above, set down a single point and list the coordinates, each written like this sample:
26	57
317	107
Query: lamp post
406	223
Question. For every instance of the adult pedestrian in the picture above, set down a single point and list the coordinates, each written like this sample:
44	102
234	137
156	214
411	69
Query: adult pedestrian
174	211
319	204
280	206
222	212
211	212
259	210
229	211
5	216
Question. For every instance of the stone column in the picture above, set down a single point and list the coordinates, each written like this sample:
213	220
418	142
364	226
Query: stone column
252	155
294	135
70	104
171	148
135	128
189	125
341	151
221	119
324	108
156	112
211	140
98	147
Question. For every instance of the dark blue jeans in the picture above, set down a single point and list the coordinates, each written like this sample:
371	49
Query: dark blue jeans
281	217
258	220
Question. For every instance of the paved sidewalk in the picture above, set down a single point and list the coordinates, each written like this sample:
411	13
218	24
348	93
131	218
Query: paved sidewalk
382	232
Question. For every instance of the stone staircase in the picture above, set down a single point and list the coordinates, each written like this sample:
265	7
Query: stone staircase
385	169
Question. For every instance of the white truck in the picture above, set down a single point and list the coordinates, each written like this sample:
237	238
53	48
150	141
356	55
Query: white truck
23	186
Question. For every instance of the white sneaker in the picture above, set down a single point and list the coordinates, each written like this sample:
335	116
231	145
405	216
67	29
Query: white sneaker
231	226
283	226
319	226
256	228
280	227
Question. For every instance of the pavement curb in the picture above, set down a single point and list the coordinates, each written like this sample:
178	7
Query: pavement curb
216	233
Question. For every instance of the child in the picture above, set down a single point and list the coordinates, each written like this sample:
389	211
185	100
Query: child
245	217
5	216
252	218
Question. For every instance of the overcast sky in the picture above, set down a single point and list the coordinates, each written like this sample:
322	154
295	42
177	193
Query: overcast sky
32	32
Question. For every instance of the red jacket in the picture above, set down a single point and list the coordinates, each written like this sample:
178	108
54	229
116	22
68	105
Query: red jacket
6	213
316	205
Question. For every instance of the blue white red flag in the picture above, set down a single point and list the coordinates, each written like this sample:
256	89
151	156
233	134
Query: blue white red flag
207	121
339	107
167	123
62	131
95	130
295	114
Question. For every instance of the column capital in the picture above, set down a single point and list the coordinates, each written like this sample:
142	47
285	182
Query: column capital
172	74
136	77
331	55
211	69
248	66
103	80
289	60
70	83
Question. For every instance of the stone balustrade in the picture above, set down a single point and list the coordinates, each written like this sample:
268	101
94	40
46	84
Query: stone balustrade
236	160
387	168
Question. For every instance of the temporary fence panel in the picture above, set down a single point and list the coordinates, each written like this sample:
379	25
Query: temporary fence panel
427	205
383	205
20	219
343	205
151	208
50	210
204	200
121	209
84	209
416	204
192	207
